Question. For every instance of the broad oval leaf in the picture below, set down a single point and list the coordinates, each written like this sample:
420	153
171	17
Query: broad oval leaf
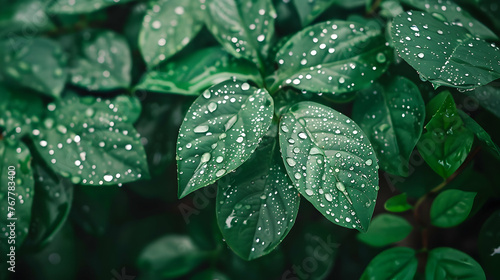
444	54
197	72
219	133
397	203
81	6
167	27
24	15
385	229
489	244
392	115
169	256
103	63
396	263
91	141
257	204
454	14
331	163
488	97
309	10
446	142
16	193
480	133
51	206
451	208
332	57
448	263
244	27
36	63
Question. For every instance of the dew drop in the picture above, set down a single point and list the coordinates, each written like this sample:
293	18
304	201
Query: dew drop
212	107
369	162
220	172
201	129
328	197
108	178
291	162
309	192
303	135
205	157
340	186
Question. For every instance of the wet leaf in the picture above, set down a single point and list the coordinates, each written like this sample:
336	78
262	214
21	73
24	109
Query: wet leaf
446	142
219	133
489	244
444	54
169	256
167	27
449	11
23	15
197	72
91	141
81	6
257	204
451	208
331	163
16	194
488	97
36	63
104	61
480	133
18	111
385	229
395	263
309	10
448	263
333	58
392	115
51	206
244	27
397	203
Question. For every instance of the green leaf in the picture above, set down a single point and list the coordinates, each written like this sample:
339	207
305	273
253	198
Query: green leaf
385	229
219	133
169	256
449	11
392	115
451	208
168	26
446	142
444	54
16	193
19	111
257	204
395	263
332	57
448	263
81	6
24	15
51	206
36	63
210	275
397	203
244	27
309	10
331	163
92	141
480	133
192	74
104	61
488	97
489	244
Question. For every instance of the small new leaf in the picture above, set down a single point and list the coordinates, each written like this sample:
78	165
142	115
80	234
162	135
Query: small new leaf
448	263
395	263
397	203
451	208
385	229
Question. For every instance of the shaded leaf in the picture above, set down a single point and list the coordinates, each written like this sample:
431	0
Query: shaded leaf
451	208
92	141
385	229
488	97
448	263
392	115
244	27
22	15
36	63
219	133
395	263
257	204
192	74
489	244
397	203
168	26
104	61
444	54
81	6
446	142
480	133
332	57
331	163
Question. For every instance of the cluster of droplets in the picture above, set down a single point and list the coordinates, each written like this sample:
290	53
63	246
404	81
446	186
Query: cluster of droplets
262	201
330	162
436	49
84	145
220	131
329	46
